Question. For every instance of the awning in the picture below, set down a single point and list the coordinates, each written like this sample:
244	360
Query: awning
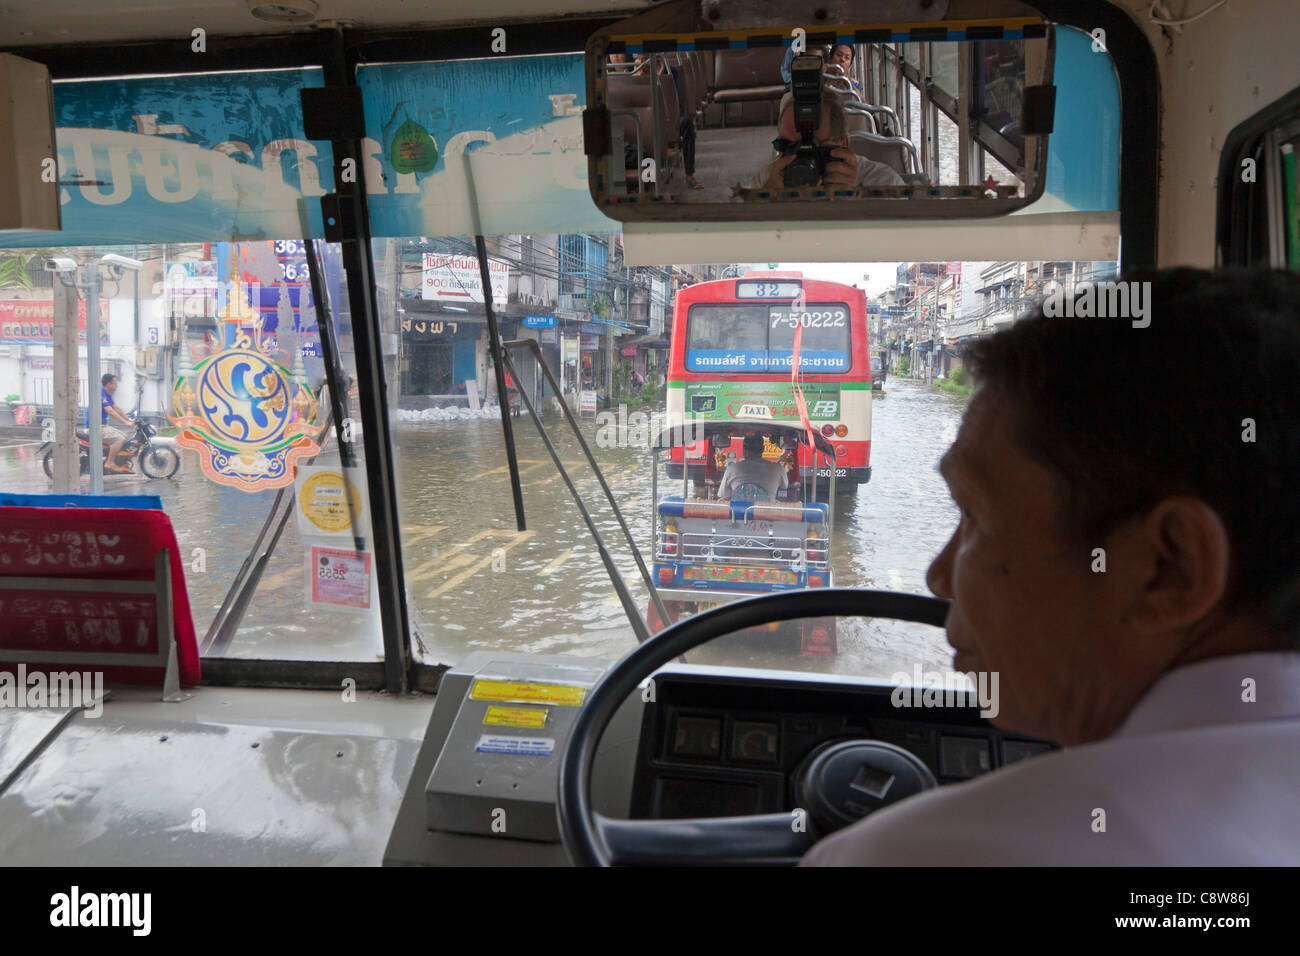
646	342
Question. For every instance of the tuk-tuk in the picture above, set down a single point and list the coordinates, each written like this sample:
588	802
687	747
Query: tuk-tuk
709	550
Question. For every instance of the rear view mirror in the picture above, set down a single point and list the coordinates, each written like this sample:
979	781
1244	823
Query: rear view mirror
692	118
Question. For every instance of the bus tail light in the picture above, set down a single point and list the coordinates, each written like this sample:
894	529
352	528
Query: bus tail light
828	430
841	430
816	581
665	575
841	451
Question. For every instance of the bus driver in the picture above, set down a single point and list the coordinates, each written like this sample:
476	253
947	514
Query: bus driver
1128	561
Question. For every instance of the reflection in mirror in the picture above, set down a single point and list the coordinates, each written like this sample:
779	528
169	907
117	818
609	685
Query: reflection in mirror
843	114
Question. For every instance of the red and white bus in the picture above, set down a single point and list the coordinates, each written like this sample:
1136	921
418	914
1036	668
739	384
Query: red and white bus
731	355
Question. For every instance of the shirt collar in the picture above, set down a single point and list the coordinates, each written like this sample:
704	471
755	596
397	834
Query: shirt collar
1241	688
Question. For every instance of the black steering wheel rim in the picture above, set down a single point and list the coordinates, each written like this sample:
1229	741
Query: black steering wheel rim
579	829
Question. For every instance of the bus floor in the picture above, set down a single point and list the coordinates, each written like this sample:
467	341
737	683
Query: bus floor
232	776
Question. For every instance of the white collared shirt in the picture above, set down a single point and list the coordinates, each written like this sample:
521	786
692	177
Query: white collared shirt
1194	776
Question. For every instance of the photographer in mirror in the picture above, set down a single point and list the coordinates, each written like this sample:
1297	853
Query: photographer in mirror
813	142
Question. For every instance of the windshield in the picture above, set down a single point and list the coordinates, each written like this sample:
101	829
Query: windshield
278	537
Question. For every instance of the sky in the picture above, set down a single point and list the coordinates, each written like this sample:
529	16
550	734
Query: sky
881	275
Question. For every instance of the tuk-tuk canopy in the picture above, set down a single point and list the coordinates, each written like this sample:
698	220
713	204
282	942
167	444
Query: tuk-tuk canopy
692	431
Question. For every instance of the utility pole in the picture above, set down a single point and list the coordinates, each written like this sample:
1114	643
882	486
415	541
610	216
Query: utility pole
90	283
67	358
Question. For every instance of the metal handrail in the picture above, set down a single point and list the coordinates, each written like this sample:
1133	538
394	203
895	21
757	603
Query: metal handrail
886	111
867	114
908	146
620	587
640	150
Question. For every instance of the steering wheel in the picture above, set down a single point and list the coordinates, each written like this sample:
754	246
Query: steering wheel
594	840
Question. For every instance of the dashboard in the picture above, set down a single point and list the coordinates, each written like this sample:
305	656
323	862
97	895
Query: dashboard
716	746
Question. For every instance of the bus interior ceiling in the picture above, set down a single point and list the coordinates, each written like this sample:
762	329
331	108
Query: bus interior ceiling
328	759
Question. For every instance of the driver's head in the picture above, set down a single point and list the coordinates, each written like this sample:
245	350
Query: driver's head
1128	497
753	446
109	382
831	131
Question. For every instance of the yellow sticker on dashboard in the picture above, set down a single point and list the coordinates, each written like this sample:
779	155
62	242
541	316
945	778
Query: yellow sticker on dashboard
527	692
534	717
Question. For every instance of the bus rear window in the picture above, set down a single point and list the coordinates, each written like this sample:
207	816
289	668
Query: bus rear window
760	337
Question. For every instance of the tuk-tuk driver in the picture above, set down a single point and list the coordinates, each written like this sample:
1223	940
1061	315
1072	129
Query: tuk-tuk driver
751	477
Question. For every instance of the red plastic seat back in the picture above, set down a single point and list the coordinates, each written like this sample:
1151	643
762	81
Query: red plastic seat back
102	544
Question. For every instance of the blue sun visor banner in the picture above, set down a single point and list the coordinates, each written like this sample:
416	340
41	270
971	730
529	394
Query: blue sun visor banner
205	157
506	132
184	159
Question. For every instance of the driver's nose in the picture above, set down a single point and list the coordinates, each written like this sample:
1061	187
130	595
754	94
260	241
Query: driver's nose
939	576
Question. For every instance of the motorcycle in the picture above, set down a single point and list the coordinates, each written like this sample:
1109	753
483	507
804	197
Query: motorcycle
155	461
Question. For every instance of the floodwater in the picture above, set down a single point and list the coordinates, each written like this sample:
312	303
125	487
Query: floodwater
475	583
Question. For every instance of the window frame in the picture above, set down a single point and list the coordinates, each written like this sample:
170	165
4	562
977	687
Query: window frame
340	51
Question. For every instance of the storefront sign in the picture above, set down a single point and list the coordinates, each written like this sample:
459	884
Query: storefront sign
539	321
424	328
590	343
450	278
587	401
31	321
627	351
547	336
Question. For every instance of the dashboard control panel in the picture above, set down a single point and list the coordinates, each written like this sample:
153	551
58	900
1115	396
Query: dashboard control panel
725	746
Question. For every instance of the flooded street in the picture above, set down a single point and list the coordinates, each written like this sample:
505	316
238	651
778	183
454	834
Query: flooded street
477	584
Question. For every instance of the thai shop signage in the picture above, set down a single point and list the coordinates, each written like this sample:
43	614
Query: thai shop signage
721	401
31	321
539	321
451	278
